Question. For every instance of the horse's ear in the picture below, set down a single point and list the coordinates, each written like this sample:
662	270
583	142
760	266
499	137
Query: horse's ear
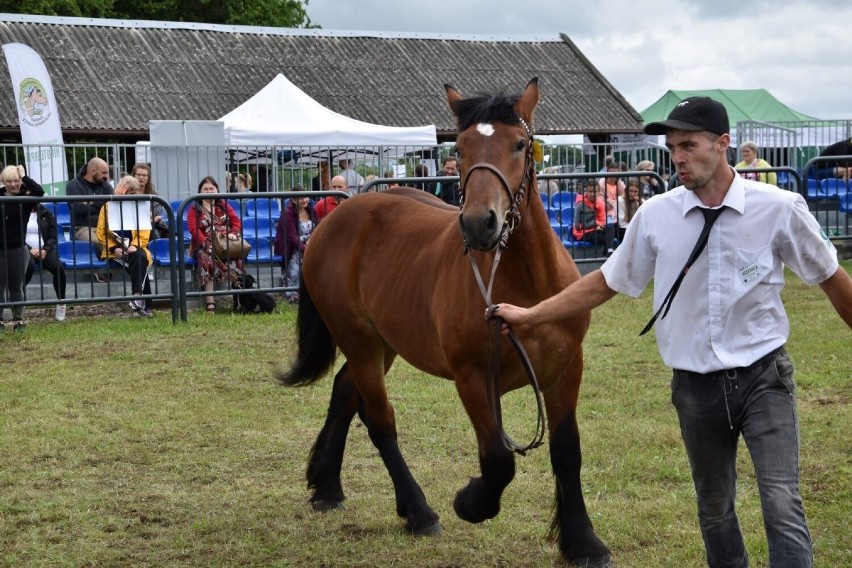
528	100
453	96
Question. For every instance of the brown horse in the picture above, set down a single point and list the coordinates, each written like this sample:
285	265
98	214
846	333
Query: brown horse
386	275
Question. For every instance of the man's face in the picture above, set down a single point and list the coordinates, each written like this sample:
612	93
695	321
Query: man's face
338	184
100	173
451	168
696	155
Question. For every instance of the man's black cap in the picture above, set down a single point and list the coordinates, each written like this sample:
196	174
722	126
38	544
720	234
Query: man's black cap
694	113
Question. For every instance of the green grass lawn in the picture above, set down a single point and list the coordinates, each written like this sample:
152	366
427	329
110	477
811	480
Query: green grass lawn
133	442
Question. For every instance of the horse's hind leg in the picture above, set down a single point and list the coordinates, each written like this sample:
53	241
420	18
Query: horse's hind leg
326	456
571	525
377	414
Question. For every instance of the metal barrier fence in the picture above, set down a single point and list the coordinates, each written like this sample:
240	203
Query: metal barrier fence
265	267
829	196
176	170
793	143
82	262
172	275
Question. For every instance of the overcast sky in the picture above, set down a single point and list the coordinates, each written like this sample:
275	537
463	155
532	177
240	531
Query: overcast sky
799	50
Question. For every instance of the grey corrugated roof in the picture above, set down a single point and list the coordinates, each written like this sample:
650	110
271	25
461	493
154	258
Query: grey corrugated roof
111	77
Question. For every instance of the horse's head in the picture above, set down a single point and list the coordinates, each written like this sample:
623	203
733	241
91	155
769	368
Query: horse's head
495	144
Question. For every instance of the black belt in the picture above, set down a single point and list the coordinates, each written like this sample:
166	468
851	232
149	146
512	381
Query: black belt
760	363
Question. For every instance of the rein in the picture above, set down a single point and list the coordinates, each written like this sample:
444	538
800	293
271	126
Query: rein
492	372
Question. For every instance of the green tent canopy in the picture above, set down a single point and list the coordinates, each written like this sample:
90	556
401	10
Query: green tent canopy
742	105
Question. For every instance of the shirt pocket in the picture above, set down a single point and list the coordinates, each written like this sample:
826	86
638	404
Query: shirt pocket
751	266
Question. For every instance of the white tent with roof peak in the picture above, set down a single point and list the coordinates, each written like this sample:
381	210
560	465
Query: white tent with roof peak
281	114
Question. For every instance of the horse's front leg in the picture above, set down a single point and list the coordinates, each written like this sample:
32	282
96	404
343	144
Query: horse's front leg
480	499
571	525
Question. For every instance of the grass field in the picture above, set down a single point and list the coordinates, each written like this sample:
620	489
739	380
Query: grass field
133	442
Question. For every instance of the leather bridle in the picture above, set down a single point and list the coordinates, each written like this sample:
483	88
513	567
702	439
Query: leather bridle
511	220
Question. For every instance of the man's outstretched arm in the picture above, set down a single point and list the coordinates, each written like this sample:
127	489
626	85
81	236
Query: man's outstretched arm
838	288
587	293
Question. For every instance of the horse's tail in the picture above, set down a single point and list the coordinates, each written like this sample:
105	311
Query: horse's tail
317	349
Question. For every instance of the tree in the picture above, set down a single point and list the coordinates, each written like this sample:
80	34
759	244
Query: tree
272	13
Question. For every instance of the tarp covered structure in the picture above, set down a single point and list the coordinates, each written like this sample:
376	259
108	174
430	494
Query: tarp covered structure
281	114
742	105
784	135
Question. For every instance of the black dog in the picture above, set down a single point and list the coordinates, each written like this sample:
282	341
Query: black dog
255	302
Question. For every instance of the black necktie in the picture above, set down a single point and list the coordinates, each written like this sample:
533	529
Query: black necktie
710	216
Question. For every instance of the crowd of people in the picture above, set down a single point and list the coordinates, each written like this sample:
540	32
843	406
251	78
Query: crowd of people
602	212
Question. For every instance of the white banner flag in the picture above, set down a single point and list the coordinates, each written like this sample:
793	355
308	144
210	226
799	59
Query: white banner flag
38	115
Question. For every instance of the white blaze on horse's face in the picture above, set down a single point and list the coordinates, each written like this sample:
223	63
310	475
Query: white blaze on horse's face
485	129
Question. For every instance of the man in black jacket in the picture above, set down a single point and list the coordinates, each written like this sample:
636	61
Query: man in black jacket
449	191
93	179
841	168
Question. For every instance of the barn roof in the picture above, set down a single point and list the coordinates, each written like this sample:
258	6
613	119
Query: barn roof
111	77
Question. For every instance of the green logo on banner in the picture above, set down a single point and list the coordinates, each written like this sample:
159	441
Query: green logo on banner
34	102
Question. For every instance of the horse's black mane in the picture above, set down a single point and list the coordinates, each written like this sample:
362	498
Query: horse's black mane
497	107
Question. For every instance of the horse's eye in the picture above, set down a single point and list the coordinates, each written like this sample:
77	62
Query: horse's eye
521	145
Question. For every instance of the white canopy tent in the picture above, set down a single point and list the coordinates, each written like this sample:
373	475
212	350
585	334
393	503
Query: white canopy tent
281	114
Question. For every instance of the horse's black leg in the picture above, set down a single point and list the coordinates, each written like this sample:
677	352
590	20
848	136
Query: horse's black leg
326	457
571	526
480	499
411	503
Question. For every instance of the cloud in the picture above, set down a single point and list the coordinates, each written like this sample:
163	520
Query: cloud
796	49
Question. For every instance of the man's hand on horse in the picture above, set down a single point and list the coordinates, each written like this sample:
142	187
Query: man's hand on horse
509	314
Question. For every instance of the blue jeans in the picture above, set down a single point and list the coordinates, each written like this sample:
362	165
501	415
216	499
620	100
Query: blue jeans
758	402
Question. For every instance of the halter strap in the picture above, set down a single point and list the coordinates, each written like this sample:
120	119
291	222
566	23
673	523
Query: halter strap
492	372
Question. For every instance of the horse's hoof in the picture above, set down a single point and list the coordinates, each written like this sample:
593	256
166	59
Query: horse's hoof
473	514
432	530
323	505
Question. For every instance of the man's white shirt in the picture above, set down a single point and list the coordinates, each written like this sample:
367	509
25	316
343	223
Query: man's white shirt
728	311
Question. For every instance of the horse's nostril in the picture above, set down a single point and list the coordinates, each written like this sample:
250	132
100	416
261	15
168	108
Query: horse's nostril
492	221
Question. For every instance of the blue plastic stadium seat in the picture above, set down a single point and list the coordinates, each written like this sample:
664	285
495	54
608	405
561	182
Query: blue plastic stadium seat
558	228
263	207
833	187
813	191
259	227
564	199
569	242
79	254
62	213
261	250
160	253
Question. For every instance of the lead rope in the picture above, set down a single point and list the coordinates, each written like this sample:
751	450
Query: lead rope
492	368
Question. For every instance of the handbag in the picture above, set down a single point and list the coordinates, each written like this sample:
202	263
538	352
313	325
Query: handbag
227	249
162	228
